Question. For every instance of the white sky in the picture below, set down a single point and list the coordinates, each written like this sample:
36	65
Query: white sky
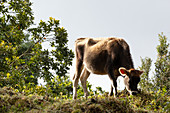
137	21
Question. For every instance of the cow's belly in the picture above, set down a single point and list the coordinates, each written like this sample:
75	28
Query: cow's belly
96	63
95	70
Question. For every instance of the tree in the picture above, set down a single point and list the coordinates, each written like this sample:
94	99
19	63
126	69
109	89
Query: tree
22	58
15	18
145	82
162	64
160	81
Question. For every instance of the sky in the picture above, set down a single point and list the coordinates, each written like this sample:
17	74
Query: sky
137	21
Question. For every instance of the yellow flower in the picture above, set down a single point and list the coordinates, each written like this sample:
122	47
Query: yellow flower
6	47
17	90
24	87
31	76
52	80
6	59
50	18
8	75
30	95
55	98
2	42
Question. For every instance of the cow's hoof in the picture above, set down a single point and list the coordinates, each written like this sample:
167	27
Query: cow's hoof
134	93
74	97
115	96
110	94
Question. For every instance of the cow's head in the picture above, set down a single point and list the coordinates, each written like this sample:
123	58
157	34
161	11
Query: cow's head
131	80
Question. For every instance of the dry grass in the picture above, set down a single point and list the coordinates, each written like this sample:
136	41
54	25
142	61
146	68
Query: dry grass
17	102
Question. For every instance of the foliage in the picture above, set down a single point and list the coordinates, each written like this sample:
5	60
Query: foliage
22	59
162	68
145	82
15	18
162	65
60	87
159	84
92	92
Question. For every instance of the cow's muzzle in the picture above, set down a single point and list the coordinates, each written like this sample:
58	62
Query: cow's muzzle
134	92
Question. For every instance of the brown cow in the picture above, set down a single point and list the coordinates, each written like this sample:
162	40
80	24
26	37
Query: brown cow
104	56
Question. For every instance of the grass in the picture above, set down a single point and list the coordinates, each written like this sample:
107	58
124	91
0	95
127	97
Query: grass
12	101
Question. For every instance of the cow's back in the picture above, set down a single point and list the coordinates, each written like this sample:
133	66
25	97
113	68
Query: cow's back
100	44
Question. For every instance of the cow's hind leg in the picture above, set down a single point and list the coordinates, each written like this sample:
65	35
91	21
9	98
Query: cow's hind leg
83	79
111	90
79	67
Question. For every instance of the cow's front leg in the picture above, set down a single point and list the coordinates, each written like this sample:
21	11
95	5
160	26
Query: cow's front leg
115	87
113	82
111	90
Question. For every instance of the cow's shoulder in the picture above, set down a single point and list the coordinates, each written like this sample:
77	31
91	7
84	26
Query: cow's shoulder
123	43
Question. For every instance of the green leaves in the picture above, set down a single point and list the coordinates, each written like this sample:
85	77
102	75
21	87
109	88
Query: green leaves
162	68
162	64
162	49
22	58
145	81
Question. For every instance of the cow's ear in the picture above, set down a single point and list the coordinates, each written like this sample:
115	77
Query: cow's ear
140	72
122	71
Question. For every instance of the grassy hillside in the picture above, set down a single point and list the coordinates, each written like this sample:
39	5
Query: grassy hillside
11	101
